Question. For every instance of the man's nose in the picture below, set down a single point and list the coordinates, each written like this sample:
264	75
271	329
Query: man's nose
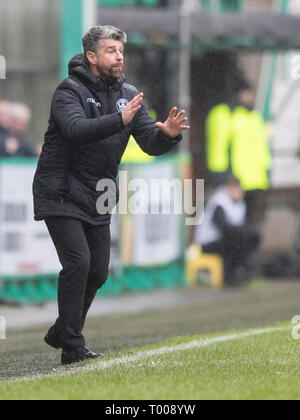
120	56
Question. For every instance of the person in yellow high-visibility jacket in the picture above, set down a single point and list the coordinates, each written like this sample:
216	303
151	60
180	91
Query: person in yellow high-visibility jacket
218	135
133	152
237	142
250	153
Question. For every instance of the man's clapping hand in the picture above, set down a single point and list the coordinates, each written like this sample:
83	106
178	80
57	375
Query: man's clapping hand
132	108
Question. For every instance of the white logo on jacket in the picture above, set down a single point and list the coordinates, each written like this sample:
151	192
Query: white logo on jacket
92	101
122	104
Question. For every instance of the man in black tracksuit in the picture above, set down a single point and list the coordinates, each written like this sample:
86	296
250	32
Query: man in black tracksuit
93	114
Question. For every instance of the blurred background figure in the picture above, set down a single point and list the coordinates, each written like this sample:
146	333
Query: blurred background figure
218	138
20	115
250	152
225	231
16	118
237	142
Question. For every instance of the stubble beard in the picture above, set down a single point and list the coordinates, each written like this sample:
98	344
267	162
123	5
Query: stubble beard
113	72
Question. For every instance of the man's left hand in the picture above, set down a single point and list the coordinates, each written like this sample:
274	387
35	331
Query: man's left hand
174	124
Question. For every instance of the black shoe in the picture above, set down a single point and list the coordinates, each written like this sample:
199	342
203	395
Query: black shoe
76	356
52	339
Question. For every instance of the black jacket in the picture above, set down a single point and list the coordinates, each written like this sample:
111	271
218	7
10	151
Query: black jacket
85	142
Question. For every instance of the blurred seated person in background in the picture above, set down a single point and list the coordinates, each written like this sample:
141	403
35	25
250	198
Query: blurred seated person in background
13	141
225	231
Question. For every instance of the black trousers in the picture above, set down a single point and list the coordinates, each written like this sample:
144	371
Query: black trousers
84	252
236	247
257	204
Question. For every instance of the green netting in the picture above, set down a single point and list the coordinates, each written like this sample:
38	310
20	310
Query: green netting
231	5
39	289
221	5
129	3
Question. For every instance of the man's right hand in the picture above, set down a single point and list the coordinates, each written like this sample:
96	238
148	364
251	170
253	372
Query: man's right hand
132	108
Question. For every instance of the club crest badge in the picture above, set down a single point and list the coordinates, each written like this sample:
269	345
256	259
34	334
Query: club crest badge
122	104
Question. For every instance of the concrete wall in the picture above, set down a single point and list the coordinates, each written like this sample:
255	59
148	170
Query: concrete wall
29	40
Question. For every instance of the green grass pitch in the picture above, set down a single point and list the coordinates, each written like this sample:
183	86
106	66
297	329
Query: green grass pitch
251	364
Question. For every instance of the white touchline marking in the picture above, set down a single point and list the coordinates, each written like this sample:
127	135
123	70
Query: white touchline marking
140	355
180	347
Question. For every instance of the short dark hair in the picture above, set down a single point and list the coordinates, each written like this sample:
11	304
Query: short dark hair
92	39
232	181
242	85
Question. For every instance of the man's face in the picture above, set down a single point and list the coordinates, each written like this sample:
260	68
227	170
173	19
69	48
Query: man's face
236	193
109	60
247	97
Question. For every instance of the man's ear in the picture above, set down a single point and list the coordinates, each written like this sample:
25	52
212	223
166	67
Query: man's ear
91	57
